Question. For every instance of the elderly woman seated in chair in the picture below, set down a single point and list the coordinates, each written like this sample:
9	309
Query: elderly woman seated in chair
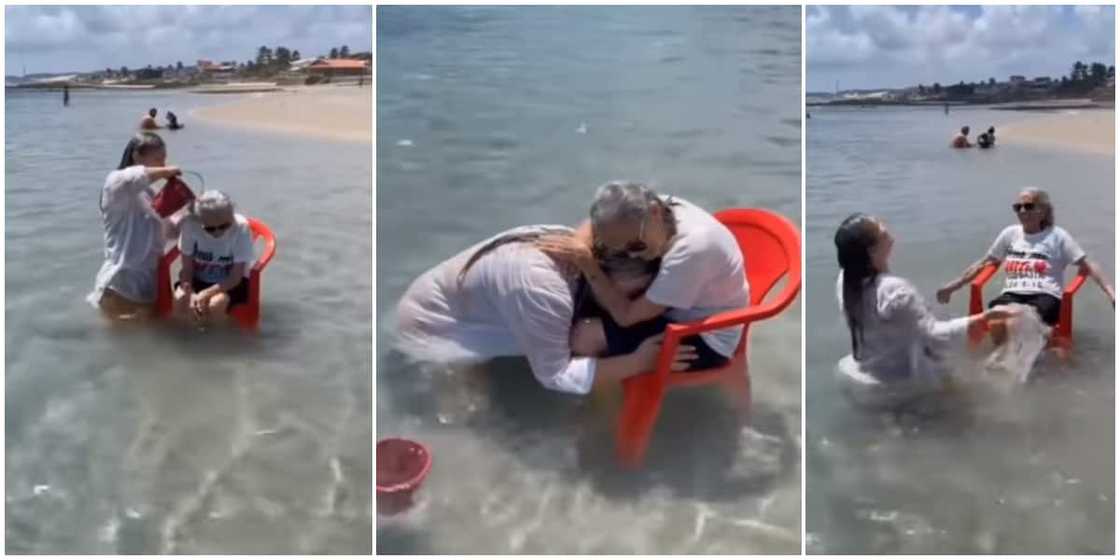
217	252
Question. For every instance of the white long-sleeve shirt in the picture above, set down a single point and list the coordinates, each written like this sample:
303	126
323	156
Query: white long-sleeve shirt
901	338
514	301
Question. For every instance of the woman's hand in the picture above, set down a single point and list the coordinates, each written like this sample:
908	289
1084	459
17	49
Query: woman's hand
650	349
568	249
945	293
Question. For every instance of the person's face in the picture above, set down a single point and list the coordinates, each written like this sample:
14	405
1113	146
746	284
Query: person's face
1028	210
216	225
881	250
153	158
641	239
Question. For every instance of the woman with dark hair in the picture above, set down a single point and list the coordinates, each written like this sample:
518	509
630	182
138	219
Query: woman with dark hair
134	233
897	343
1036	253
505	297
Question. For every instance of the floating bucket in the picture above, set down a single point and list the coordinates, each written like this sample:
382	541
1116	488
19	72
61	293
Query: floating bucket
402	466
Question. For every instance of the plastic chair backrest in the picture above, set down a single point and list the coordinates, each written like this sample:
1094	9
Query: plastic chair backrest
770	247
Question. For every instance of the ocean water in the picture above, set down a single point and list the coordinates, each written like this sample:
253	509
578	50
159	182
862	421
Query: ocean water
489	118
1030	471
162	438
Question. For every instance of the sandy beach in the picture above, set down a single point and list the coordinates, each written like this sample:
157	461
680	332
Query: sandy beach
328	112
1085	130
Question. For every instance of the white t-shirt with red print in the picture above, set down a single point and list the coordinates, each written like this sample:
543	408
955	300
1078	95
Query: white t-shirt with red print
1035	263
214	257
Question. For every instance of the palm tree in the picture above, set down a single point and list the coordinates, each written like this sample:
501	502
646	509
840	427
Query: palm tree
344	52
334	53
295	55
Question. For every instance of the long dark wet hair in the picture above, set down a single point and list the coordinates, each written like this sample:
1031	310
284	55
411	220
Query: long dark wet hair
854	239
141	143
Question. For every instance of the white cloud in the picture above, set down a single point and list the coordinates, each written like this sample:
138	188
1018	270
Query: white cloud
66	38
907	45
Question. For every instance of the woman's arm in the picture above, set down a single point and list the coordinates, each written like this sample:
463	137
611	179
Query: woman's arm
969	273
611	297
186	270
614	299
641	360
236	276
1086	266
157	173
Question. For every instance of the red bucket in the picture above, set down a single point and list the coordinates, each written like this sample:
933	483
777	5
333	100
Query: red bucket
402	466
172	197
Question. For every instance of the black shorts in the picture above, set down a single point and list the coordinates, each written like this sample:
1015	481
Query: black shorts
624	340
239	295
1049	307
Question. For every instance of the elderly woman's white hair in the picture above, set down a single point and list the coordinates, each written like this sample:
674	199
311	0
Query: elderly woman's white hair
212	203
621	201
1042	198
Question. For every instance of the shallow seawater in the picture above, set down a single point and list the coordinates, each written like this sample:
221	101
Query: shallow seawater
489	118
999	469
164	438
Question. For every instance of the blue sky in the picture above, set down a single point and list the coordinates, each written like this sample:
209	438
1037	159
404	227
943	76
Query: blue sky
895	46
86	38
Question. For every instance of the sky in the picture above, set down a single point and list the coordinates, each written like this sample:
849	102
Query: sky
59	39
867	47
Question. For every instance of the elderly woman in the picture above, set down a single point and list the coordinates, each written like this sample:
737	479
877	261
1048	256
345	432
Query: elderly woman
897	343
504	297
217	251
1036	254
701	271
134	235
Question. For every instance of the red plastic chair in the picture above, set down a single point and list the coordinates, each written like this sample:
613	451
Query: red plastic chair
1061	336
771	249
247	315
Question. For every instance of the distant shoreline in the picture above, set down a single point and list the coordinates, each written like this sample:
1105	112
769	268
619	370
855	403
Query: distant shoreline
340	113
1080	131
1043	105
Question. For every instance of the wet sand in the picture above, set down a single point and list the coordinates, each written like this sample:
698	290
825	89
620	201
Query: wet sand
1083	130
340	113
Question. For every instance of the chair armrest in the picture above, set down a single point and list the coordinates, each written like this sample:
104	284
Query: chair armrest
674	332
985	274
1075	284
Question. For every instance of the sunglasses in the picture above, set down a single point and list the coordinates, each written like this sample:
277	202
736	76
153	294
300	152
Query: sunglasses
216	229
1023	207
636	246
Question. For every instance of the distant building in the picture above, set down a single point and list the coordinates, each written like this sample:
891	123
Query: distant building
303	63
210	67
1042	80
338	67
1017	80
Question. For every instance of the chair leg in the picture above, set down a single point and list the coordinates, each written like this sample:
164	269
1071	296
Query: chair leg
635	425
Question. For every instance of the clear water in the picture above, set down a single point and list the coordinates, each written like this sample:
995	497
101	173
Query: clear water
1030	472
166	439
490	118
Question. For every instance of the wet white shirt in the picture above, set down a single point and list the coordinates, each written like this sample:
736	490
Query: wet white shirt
702	274
1036	262
515	301
133	237
901	339
213	257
